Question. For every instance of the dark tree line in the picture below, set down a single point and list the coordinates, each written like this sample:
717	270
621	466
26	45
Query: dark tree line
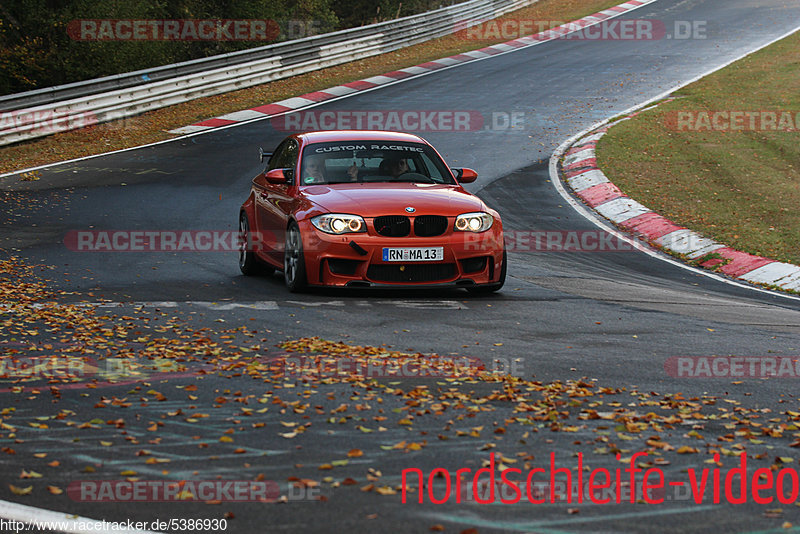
39	48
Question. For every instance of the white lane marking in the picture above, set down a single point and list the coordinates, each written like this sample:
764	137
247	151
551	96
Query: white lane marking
212	305
621	209
593	217
415	70
267	304
777	273
417	304
150	304
262	305
587	179
504	47
447	61
587	153
69	523
339	90
294	102
338	303
379	80
710	247
258	305
428	304
192	128
476	54
685	241
542	526
592	138
243	115
343	91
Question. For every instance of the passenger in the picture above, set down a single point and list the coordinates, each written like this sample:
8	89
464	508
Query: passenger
314	169
352	173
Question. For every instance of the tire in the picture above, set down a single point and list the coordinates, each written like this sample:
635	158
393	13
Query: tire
294	262
249	263
491	288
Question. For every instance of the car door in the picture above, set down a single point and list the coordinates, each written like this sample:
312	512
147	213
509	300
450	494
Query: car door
276	201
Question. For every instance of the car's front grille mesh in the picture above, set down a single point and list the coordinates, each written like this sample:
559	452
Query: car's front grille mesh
392	225
415	272
400	225
430	225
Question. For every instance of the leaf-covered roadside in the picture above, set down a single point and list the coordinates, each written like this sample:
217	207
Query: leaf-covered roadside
199	404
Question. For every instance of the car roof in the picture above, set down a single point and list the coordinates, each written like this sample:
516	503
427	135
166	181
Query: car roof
358	135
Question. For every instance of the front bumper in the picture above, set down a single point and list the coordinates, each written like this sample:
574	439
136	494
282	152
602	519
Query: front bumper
356	260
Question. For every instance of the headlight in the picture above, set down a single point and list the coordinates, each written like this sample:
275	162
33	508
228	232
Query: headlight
474	222
339	223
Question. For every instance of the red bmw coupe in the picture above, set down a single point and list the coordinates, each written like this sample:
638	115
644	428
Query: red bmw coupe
369	209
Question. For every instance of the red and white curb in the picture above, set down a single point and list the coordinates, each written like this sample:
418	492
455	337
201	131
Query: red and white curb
580	171
310	99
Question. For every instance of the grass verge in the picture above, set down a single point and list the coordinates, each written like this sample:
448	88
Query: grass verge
153	126
736	180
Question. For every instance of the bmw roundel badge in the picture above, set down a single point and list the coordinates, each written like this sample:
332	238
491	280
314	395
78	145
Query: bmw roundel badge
410	209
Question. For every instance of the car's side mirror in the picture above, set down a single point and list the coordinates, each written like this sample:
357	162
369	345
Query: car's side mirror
279	176
464	175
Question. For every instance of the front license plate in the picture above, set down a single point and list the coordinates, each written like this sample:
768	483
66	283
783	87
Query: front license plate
413	254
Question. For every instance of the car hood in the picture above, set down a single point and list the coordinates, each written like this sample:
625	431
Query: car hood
372	200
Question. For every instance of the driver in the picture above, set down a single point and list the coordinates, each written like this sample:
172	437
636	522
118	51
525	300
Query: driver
394	166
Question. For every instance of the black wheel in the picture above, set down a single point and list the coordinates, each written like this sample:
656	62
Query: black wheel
491	288
294	262
249	264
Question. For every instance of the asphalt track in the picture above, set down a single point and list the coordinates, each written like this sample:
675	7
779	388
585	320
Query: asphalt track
611	316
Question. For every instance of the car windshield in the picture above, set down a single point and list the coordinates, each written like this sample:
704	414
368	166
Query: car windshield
372	161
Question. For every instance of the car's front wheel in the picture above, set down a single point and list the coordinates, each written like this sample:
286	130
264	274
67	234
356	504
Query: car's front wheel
249	263
294	261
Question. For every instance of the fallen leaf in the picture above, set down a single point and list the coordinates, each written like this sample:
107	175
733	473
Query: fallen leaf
20	491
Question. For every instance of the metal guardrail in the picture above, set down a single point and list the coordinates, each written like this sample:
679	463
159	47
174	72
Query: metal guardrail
45	111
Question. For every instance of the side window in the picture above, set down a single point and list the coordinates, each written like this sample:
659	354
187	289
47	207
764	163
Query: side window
285	156
277	156
290	155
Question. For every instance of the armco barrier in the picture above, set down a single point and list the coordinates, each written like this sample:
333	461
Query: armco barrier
44	111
